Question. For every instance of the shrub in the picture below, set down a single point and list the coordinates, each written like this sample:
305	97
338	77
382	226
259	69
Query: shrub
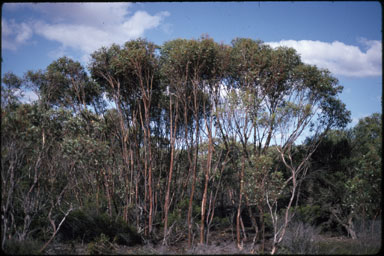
369	236
220	222
88	227
26	247
100	246
300	238
368	230
308	214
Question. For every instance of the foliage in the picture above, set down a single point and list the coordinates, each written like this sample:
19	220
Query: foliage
152	137
301	238
346	176
308	214
89	226
26	247
101	246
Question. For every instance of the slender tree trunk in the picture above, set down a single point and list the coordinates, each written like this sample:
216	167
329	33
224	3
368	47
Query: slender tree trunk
172	137
238	239
146	175
194	170
262	223
107	193
55	230
190	204
206	180
150	193
147	91
204	203
6	207
254	224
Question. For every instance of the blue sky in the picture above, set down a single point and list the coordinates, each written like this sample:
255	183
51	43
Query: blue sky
344	37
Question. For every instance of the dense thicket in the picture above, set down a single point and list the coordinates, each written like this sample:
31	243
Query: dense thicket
173	141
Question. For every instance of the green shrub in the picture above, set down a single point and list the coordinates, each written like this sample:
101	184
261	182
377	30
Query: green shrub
125	234
308	213
88	227
220	222
26	247
174	216
268	222
100	246
300	238
78	225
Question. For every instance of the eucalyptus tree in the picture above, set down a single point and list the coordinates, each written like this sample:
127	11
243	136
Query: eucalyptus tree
345	175
280	98
244	103
10	88
176	82
212	71
181	65
310	105
208	71
34	182
107	69
42	129
142	61
130	76
366	183
64	83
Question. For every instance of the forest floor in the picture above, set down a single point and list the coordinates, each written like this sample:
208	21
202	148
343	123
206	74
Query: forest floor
220	243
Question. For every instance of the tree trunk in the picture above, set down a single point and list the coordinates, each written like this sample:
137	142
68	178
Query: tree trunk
172	137
190	205
107	193
203	205
253	220
241	174
206	176
351	229
55	230
195	155
262	223
150	179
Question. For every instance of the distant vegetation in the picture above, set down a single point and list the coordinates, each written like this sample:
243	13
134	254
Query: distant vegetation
184	142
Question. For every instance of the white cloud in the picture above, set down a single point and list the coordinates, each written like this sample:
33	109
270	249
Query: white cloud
26	96
76	13
356	118
81	37
29	96
13	34
339	58
141	21
86	26
60	52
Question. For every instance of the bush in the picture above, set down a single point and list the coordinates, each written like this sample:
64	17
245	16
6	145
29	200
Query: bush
221	223
369	236
308	214
26	247
300	238
368	230
88	227
100	246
